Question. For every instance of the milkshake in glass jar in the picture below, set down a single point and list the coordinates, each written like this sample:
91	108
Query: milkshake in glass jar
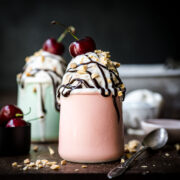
90	97
37	85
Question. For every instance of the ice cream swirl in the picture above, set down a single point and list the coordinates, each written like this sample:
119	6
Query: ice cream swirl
92	72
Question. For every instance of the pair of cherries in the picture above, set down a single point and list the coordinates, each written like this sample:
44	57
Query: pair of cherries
81	46
11	116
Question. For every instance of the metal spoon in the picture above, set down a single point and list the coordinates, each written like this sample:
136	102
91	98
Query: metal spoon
154	140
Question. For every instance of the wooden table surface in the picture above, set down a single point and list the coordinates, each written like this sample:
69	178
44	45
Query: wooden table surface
158	166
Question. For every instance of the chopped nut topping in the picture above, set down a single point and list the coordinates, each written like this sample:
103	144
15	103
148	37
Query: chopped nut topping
128	155
97	51
76	170
25	168
131	146
19	76
55	167
167	154
27	59
84	166
122	160
35	90
144	166
120	93
116	64
26	161
94	75
42	58
51	151
109	80
84	68
63	162
40	166
38	162
54	69
51	163
122	86
14	164
73	65
31	164
177	146
81	72
44	161
28	74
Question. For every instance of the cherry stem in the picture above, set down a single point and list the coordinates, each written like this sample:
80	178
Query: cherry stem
61	37
21	115
68	29
41	117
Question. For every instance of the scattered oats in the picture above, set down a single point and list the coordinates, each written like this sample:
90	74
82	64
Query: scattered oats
73	65
167	154
84	166
144	166
109	80
122	160
76	170
35	148
63	162
19	165
55	167
95	75
177	146
81	72
51	151
26	161
25	168
34	90
120	93
14	164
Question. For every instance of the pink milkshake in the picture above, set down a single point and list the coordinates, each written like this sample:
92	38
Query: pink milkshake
91	94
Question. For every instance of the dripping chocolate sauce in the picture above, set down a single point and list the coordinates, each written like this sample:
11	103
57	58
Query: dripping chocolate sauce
97	85
55	85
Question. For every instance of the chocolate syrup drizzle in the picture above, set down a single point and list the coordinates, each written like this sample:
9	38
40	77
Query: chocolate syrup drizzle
81	82
54	83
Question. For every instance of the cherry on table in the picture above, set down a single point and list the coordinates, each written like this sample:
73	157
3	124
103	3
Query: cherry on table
8	112
53	46
82	46
16	122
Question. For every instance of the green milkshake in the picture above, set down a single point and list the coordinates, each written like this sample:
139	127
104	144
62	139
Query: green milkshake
37	85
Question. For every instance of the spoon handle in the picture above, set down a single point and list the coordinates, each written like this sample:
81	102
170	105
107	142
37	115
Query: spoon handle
120	169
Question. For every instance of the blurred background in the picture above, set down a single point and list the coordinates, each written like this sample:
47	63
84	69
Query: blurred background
135	32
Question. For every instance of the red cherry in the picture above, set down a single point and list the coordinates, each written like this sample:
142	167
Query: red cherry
8	112
82	46
16	122
54	47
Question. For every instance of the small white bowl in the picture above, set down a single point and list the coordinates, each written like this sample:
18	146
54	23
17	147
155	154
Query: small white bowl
171	125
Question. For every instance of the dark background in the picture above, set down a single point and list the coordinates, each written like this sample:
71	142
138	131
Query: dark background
133	31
